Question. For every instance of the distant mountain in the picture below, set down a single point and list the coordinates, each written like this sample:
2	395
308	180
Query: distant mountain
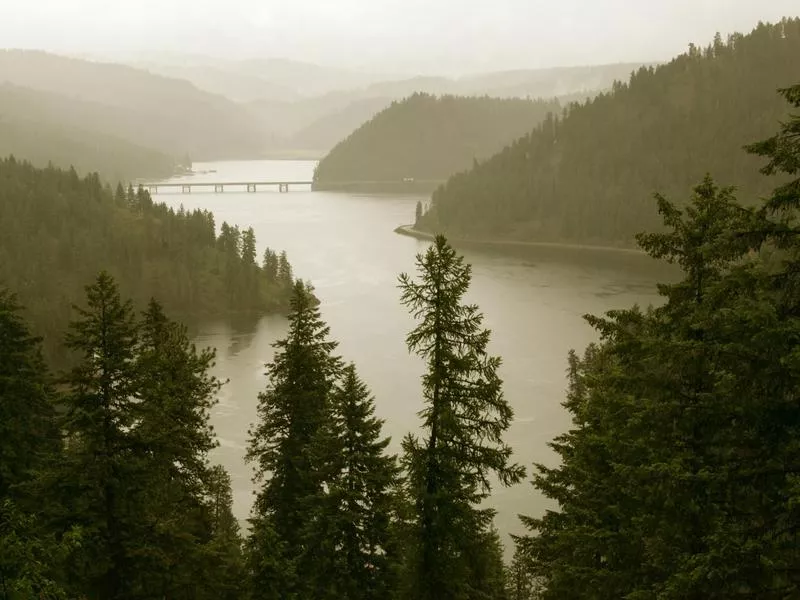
428	138
43	127
249	80
168	115
353	107
590	176
324	133
239	87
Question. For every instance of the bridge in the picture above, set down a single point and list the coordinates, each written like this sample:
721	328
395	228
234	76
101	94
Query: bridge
220	187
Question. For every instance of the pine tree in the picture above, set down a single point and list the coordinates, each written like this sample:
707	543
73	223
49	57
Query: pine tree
270	265
668	485
226	578
28	433
28	557
29	442
175	394
100	472
464	418
353	519
249	246
285	275
291	412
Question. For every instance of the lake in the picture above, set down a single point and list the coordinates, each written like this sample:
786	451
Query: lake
533	300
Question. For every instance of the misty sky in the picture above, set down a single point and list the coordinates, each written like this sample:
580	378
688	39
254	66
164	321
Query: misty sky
423	36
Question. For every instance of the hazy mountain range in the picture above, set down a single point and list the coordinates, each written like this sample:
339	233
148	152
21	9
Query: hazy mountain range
207	108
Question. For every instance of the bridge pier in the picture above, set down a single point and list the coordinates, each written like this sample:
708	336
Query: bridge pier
283	187
251	187
186	189
153	189
218	188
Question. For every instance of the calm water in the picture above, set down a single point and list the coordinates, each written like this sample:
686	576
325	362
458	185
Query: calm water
345	244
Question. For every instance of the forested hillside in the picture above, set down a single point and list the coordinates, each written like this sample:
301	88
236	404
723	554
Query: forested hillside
35	126
588	175
429	138
168	115
59	230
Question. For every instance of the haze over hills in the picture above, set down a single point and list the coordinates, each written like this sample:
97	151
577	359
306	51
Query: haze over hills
44	127
168	115
210	108
589	177
428	138
350	108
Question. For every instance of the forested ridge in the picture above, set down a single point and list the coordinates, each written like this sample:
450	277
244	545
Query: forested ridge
60	229
678	478
585	175
427	137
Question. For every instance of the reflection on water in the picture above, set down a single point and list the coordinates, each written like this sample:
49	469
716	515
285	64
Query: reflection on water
533	299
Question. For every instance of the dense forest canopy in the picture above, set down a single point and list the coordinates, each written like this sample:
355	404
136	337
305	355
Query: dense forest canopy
168	115
60	229
429	138
678	477
586	175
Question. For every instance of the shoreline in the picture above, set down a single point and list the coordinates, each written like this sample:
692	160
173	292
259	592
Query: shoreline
409	231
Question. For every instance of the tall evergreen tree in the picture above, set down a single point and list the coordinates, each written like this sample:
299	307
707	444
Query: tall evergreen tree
173	433
29	442
100	471
353	518
249	246
464	418
285	275
28	433
677	478
226	579
291	412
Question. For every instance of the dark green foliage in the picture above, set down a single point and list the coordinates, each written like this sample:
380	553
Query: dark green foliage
679	478
29	441
586	177
134	483
27	556
352	520
520	584
291	412
60	230
28	436
180	496
101	469
429	138
225	548
464	418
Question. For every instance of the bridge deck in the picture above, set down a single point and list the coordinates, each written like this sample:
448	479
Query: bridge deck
181	184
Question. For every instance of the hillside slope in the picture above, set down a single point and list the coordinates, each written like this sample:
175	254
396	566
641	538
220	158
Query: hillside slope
44	128
60	230
319	122
589	177
169	115
428	138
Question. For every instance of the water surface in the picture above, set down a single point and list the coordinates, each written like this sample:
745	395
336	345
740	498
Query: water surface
533	300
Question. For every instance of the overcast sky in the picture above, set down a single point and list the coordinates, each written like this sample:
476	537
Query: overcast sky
424	36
